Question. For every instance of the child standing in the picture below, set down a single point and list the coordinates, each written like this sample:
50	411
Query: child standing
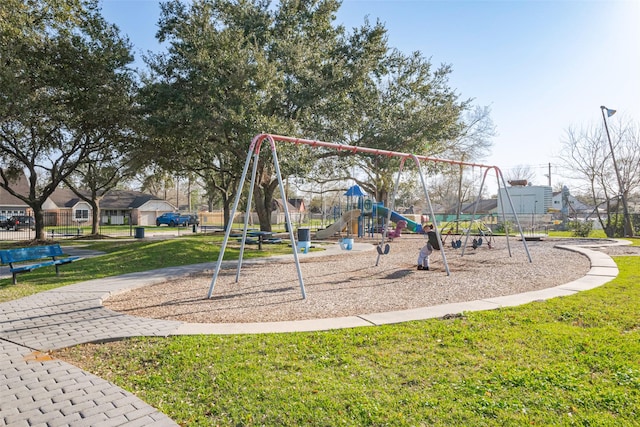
432	243
423	257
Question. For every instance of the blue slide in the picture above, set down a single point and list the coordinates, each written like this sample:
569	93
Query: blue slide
395	217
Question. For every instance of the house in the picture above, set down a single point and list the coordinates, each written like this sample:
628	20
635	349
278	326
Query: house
64	207
298	204
11	205
117	207
568	205
296	213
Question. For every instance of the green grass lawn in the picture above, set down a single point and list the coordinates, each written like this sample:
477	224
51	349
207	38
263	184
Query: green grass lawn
129	256
567	361
594	234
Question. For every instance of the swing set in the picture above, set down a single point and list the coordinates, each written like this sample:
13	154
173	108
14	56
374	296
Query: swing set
254	153
452	229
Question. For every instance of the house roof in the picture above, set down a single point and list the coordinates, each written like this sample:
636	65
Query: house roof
125	199
64	197
297	203
484	206
114	199
278	204
8	199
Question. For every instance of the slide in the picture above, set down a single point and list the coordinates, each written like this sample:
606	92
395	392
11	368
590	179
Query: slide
395	217
339	225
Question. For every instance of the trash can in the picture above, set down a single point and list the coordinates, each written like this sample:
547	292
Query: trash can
304	234
346	244
139	232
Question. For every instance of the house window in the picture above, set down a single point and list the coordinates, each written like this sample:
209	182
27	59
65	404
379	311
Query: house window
82	214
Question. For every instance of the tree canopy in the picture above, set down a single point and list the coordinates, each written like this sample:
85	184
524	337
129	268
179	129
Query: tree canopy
65	90
238	68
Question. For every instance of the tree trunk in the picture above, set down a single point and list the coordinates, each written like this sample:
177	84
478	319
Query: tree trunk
38	215
263	195
226	209
95	216
264	201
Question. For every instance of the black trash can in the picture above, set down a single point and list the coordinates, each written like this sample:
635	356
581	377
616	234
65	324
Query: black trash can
304	234
139	232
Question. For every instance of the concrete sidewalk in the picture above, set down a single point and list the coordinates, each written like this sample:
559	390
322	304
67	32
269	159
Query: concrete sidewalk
38	390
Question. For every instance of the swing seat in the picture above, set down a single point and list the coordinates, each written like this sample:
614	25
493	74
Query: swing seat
477	243
384	251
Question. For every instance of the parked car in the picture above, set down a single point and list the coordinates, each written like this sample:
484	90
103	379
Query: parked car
189	219
20	222
3	221
171	219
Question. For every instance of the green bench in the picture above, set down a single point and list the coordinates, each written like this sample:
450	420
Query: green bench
46	256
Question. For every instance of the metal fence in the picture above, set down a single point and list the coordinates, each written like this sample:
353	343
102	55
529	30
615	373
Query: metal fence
64	225
59	226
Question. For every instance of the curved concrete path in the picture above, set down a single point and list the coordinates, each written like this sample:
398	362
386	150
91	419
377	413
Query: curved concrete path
38	390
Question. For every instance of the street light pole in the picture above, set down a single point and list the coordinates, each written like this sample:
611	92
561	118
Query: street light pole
628	228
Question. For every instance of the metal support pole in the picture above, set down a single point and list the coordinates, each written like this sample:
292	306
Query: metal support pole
432	215
628	227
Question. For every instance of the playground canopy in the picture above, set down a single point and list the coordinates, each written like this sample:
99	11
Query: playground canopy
355	191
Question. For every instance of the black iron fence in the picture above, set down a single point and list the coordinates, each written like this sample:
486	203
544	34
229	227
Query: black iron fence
63	225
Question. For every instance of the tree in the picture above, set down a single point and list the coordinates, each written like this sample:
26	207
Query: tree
522	173
64	85
235	69
587	155
202	101
99	173
404	106
472	145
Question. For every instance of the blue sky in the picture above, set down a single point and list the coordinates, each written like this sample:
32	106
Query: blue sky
542	66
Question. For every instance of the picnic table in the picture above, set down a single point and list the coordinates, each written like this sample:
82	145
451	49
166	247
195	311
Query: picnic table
262	236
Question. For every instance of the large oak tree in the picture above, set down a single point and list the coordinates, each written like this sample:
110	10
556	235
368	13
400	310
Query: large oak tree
65	90
238	68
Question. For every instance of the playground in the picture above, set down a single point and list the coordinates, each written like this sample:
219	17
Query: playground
371	276
346	283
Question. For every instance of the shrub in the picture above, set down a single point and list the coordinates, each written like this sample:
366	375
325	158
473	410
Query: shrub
581	228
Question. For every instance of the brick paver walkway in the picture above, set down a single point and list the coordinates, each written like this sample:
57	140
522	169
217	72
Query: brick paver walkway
36	390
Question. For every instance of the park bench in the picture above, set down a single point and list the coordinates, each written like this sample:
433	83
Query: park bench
45	255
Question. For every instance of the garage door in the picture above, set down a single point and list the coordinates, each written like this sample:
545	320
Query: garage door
147	218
